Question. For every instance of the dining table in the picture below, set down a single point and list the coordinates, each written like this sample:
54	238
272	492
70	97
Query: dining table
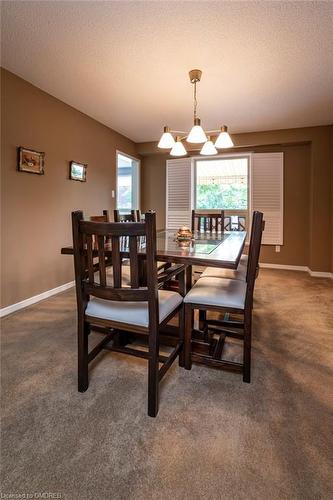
213	249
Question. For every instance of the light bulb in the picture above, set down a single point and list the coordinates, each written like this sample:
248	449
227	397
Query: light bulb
178	148
197	134
208	148
224	139
166	140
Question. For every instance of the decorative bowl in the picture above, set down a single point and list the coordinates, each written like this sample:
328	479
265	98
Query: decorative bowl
184	234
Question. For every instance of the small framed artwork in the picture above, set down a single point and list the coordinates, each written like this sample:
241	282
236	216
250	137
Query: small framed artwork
30	161
78	171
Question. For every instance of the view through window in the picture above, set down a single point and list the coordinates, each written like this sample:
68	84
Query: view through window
222	184
127	183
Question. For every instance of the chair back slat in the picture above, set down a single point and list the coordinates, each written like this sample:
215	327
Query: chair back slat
90	260
208	221
133	245
101	258
137	214
116	261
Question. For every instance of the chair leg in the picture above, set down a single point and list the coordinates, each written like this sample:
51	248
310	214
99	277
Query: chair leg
153	369
188	336
247	350
83	332
181	320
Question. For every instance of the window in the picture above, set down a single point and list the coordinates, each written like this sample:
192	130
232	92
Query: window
222	184
237	184
127	182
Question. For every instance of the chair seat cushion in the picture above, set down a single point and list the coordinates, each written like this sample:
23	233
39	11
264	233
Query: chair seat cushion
234	274
133	313
218	292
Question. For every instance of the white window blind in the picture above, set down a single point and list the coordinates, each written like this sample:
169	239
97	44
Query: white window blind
267	194
179	187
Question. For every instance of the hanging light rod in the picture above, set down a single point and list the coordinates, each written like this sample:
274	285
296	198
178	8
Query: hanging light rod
197	135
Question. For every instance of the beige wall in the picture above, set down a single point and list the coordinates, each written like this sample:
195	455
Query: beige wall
308	215
36	209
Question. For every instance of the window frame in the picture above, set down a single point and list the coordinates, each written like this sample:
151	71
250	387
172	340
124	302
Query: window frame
138	182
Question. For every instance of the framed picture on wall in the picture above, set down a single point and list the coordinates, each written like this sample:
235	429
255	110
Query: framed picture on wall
30	161
78	171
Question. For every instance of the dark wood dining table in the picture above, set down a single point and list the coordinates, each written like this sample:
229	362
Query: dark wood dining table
206	249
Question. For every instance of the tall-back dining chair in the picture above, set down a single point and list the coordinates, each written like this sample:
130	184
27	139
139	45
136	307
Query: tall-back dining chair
133	216
227	296
207	221
109	304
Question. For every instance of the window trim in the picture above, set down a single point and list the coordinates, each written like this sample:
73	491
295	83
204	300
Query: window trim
138	187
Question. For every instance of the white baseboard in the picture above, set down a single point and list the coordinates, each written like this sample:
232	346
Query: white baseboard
314	274
36	298
286	267
320	274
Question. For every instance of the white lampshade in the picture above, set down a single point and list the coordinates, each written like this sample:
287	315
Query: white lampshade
224	139
166	140
208	148
178	148
197	134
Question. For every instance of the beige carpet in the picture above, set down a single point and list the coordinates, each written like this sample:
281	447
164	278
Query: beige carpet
214	438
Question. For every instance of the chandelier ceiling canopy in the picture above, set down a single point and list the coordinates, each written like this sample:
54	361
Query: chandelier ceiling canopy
173	139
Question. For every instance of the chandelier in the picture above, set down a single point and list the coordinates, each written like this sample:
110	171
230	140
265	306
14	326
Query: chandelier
197	134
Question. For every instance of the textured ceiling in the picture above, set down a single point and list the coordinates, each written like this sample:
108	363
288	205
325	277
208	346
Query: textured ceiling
266	65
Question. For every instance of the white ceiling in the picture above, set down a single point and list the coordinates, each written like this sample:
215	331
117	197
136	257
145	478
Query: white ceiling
266	65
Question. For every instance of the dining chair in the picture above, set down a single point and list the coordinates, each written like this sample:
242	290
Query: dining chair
133	216
229	296
207	221
119	308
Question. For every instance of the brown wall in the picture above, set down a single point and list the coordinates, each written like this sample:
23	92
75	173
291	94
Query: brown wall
36	209
308	193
